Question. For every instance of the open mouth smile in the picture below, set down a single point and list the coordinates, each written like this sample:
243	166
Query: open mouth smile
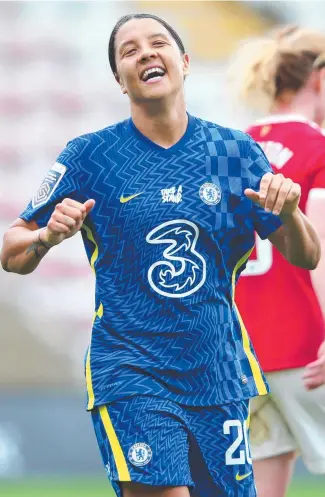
153	75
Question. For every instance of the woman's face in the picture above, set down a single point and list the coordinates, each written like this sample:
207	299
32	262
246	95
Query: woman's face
150	65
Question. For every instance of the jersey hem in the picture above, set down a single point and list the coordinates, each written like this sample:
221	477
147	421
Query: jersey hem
235	400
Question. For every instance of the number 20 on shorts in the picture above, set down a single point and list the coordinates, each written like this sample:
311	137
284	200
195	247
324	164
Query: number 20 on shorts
233	455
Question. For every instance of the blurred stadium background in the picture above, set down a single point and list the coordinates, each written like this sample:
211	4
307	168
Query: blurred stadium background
55	84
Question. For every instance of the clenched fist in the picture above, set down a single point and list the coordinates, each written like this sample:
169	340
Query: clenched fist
277	194
66	221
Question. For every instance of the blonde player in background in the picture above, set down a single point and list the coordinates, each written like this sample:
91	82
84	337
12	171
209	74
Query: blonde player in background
284	76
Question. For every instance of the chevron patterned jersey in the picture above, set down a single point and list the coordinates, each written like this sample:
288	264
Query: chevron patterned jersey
168	237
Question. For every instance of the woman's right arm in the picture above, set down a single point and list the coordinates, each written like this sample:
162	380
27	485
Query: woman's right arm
22	249
24	244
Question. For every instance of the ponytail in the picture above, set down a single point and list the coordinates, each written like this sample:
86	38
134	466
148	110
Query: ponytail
263	69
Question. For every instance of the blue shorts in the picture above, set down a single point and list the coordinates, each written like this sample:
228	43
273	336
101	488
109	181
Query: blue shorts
154	441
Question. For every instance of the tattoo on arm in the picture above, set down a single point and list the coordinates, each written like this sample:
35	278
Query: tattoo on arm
36	249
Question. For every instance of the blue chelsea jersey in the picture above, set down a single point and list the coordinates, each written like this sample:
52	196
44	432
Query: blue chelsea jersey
168	237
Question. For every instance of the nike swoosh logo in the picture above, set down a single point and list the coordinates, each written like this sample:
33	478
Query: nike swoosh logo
123	199
242	477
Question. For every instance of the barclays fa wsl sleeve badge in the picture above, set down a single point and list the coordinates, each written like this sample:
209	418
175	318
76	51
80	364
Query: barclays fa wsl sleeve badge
49	185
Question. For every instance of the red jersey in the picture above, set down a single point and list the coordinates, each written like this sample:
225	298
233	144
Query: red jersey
276	300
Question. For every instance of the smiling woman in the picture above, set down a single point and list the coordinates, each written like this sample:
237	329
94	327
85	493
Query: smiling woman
168	205
149	62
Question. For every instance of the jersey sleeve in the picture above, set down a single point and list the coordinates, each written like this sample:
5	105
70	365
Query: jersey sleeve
63	180
264	222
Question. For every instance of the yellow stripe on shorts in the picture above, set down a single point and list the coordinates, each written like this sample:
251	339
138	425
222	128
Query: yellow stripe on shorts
120	461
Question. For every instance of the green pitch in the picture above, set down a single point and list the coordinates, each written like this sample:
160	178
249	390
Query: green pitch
307	488
100	488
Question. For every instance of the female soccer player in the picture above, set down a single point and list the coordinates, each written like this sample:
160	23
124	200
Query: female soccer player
168	205
283	306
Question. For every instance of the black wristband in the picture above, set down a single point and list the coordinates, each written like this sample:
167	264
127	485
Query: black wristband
41	241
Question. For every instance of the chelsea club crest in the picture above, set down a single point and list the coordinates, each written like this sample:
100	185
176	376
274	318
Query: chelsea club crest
140	454
210	194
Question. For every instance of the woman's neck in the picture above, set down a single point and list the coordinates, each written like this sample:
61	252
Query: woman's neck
162	123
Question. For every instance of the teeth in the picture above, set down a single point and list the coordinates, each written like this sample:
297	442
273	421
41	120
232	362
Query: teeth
153	69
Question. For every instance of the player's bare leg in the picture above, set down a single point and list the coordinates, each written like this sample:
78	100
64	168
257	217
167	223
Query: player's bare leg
138	490
273	474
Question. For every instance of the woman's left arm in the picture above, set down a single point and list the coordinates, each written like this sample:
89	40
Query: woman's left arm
296	239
